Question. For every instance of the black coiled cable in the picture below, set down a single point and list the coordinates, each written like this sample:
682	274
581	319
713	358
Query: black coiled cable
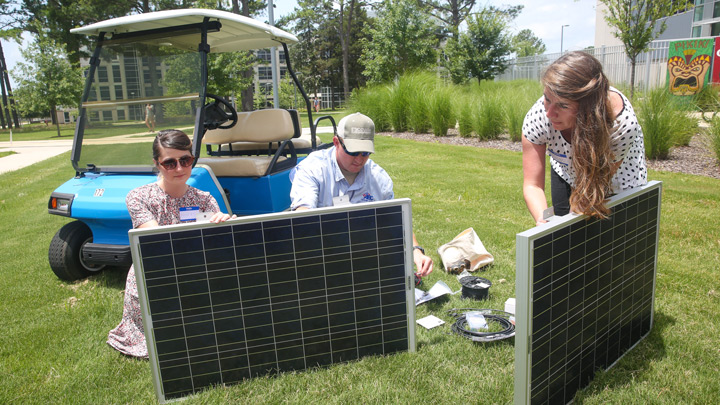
491	315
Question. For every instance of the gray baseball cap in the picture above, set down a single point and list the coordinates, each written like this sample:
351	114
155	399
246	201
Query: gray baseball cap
357	132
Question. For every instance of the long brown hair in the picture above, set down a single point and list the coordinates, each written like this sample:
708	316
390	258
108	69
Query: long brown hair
578	77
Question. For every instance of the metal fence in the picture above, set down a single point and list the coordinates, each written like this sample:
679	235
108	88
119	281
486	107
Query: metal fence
650	69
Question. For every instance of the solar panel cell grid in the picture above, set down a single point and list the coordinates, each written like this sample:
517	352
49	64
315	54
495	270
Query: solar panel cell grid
590	296
285	292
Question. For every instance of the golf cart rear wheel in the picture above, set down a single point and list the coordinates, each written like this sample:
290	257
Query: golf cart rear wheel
65	253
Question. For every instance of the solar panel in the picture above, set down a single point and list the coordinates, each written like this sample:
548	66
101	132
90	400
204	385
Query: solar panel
270	293
585	292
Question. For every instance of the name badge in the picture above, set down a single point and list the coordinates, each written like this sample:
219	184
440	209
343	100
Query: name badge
341	200
189	213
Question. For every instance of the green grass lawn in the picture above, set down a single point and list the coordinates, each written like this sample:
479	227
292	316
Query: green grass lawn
52	340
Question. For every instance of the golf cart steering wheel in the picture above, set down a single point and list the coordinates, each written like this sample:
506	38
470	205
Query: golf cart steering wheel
216	117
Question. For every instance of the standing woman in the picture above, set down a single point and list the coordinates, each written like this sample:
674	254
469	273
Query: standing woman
158	204
150	117
591	134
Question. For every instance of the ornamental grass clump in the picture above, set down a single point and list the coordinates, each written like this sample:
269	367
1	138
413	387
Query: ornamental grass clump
662	120
490	118
514	116
713	132
465	106
400	96
707	101
519	97
420	86
440	111
371	101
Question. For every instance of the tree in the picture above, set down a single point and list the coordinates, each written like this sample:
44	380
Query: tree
9	29
403	40
57	17
636	24
248	7
450	12
319	55
225	72
46	79
525	43
482	52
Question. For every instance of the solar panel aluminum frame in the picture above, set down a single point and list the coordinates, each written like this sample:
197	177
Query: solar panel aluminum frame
524	287
406	214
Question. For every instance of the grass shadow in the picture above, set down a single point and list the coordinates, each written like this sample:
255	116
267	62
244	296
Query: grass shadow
112	277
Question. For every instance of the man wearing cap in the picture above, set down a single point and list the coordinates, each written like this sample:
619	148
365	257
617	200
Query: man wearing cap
345	174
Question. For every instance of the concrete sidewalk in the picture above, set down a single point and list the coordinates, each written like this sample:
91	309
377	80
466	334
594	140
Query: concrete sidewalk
30	152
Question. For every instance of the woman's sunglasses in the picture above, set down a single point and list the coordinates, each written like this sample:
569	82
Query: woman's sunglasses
171	164
353	154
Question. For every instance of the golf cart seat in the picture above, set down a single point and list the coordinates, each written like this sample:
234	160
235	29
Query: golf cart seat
259	144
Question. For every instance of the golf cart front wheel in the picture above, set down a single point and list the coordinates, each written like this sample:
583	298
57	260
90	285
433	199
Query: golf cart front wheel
65	253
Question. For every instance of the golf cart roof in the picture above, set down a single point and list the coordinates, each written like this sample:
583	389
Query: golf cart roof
238	33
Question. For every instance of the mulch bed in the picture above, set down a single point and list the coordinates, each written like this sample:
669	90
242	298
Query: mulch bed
695	158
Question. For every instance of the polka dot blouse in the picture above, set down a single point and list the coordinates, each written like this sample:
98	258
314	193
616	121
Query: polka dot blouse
626	144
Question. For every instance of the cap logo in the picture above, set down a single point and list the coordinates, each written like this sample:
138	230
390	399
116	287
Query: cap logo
360	130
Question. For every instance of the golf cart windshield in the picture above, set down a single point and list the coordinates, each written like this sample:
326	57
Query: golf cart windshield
148	73
138	88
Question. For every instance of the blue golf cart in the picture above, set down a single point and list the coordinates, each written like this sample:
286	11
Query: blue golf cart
150	72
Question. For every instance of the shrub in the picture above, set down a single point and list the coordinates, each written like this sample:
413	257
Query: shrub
514	116
519	98
707	101
441	111
371	101
662	121
714	134
490	119
418	119
687	127
465	108
420	86
398	104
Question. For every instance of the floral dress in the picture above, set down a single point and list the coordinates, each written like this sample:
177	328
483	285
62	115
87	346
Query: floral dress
147	203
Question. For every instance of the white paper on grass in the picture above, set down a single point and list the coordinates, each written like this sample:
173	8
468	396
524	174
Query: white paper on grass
430	322
437	290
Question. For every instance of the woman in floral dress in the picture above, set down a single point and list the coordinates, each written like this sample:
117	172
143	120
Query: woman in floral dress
158	204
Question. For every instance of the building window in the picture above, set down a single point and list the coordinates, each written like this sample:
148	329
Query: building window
102	74
104	93
698	13
266	88
698	2
121	115
264	72
697	32
282	56
715	29
116	74
716	9
264	55
107	115
118	92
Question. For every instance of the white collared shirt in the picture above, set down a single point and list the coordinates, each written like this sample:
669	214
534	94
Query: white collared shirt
317	179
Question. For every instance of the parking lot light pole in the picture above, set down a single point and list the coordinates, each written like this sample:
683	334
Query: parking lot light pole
562	28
